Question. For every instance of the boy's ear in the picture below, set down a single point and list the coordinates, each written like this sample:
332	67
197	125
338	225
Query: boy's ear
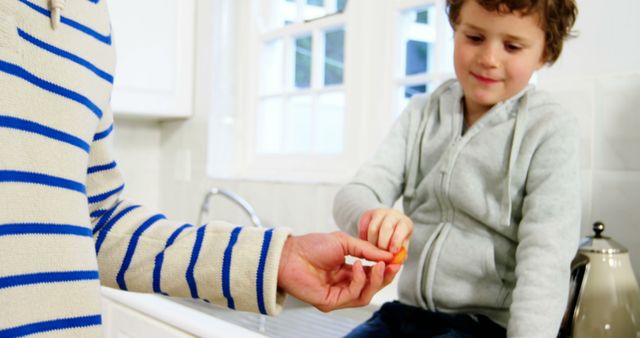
542	62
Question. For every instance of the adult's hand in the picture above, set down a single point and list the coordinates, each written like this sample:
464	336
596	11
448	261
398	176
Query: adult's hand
313	269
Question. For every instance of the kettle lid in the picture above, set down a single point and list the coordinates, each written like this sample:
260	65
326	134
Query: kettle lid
599	243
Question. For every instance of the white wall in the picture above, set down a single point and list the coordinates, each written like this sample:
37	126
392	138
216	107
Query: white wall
137	151
598	78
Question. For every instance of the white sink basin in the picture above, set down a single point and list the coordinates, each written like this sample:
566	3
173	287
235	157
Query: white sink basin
295	321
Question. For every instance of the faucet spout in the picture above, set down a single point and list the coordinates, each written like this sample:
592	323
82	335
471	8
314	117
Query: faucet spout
241	202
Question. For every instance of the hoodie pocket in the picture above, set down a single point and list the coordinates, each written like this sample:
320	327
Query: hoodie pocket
465	274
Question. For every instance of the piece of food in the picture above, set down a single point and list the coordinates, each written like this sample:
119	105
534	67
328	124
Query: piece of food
400	256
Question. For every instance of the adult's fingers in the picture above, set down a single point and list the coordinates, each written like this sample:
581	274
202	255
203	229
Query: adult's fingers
363	225
343	275
355	287
342	295
376	280
358	248
390	272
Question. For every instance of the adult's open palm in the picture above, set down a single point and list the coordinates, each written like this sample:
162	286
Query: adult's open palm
313	269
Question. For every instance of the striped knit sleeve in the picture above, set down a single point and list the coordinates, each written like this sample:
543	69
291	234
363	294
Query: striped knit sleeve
140	250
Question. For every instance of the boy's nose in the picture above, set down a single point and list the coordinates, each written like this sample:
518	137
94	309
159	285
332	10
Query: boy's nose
488	56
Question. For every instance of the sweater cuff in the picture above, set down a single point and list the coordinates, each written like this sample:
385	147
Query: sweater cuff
254	286
274	297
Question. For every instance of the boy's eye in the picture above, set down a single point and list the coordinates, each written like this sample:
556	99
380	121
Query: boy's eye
474	38
512	47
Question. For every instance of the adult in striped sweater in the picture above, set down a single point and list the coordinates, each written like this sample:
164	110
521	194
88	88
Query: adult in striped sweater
63	228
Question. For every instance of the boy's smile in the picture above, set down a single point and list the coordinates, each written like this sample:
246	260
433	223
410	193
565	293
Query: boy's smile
495	55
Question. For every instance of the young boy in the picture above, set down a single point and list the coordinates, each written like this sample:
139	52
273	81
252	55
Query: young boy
488	172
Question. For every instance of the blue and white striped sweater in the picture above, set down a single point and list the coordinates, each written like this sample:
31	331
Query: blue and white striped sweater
63	228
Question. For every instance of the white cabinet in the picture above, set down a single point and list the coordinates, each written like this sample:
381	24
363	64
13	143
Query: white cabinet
154	41
120	321
130	314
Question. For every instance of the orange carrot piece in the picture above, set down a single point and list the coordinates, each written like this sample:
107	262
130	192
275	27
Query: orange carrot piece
400	256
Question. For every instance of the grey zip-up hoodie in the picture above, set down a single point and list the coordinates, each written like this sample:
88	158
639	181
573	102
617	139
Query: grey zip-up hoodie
496	210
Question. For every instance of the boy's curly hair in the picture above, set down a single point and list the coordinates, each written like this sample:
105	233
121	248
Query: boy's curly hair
556	18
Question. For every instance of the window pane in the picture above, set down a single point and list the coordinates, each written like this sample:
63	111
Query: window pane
272	76
418	36
412	90
417	54
329	126
314	9
334	57
269	126
298	134
303	62
422	16
340	5
405	93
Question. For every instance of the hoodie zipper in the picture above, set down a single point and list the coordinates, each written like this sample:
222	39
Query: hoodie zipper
447	168
447	214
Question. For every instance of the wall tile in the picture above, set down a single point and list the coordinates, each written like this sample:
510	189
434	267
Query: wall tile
578	97
616	197
586	193
616	133
137	152
326	195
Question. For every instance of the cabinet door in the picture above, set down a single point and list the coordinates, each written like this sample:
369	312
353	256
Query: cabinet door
120	321
154	50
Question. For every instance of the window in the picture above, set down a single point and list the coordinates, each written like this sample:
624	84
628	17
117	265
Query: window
301	100
321	81
419	39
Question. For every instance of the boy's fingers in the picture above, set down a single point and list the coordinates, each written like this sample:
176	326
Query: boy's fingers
386	231
400	236
374	227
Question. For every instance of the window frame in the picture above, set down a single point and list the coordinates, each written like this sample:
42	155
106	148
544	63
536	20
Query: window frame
370	84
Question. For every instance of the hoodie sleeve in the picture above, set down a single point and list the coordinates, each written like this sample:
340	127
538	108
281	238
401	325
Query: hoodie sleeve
140	250
548	233
380	182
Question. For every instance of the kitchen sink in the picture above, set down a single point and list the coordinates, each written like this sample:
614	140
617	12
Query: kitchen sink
297	320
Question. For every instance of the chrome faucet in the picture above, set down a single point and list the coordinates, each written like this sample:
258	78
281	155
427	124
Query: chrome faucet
248	209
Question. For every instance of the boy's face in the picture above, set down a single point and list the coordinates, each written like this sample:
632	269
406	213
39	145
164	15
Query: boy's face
495	54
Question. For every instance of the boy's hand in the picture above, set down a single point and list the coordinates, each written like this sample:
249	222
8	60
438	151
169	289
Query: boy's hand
388	229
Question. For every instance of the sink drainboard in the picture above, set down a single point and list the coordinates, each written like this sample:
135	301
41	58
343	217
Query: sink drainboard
295	321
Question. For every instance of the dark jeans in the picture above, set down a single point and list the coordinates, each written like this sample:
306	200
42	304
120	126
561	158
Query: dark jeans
397	320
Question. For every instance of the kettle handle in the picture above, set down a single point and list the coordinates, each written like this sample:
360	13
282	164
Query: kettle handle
579	267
